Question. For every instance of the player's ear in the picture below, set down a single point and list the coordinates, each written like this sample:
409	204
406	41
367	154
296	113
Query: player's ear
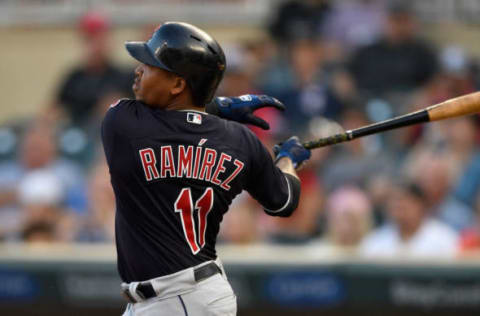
179	84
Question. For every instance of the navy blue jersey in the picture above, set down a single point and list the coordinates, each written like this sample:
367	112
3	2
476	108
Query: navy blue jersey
174	174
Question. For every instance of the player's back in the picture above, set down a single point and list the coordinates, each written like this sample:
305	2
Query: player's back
175	174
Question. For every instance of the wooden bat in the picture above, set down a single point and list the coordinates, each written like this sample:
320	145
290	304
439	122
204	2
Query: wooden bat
463	105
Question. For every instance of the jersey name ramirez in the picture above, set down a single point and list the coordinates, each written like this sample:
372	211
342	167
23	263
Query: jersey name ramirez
192	162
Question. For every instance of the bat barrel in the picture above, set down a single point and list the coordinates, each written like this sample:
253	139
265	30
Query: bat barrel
464	105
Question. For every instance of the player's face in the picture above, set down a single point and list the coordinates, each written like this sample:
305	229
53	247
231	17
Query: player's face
153	85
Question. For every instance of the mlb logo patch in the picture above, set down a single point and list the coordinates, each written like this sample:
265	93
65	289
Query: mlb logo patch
194	118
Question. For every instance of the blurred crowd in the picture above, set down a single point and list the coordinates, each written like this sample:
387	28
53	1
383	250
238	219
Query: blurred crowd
336	65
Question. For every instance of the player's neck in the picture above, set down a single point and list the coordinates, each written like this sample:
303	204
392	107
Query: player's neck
184	107
182	104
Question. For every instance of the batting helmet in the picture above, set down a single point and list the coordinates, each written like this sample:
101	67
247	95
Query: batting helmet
187	51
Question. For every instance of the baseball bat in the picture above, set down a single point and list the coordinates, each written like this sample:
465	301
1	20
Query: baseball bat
463	105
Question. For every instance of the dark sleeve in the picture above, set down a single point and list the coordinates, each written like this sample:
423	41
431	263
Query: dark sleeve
276	191
427	64
357	65
64	93
111	125
108	134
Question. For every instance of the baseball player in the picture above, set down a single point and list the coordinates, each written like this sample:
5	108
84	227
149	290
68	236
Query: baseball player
175	169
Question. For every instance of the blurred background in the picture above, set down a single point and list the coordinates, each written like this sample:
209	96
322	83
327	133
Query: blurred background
387	225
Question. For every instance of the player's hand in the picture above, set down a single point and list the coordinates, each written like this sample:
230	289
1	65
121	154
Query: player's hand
241	108
293	149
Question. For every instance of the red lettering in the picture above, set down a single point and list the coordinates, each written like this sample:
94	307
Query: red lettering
149	161
183	205
204	205
225	185
185	161
198	156
220	168
208	162
167	161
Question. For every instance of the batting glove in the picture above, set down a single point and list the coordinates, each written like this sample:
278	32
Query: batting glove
240	109
293	149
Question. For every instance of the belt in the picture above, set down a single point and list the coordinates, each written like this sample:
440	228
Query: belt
145	290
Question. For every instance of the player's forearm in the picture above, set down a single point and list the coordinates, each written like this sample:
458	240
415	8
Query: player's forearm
285	204
285	164
289	156
288	198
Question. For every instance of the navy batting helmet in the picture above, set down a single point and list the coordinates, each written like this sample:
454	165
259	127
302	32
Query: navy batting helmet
187	51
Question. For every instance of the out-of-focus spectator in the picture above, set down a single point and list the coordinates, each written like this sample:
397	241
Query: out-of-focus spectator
399	61
456	140
38	232
241	223
354	24
239	79
470	237
98	224
95	83
343	87
433	173
41	196
463	150
352	162
303	225
302	84
453	79
37	152
239	76
378	188
348	216
296	18
412	232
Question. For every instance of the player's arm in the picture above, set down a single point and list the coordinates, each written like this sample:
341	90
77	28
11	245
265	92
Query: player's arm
290	155
241	108
276	185
116	117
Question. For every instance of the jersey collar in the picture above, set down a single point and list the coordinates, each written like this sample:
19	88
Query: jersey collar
186	110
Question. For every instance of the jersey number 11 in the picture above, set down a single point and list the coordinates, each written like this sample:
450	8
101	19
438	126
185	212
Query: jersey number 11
184	206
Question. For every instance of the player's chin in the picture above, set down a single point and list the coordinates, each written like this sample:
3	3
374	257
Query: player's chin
137	94
138	97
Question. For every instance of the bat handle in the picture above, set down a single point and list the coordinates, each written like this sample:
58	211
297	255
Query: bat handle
331	140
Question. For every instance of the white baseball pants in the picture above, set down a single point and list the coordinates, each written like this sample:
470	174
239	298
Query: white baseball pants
210	297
